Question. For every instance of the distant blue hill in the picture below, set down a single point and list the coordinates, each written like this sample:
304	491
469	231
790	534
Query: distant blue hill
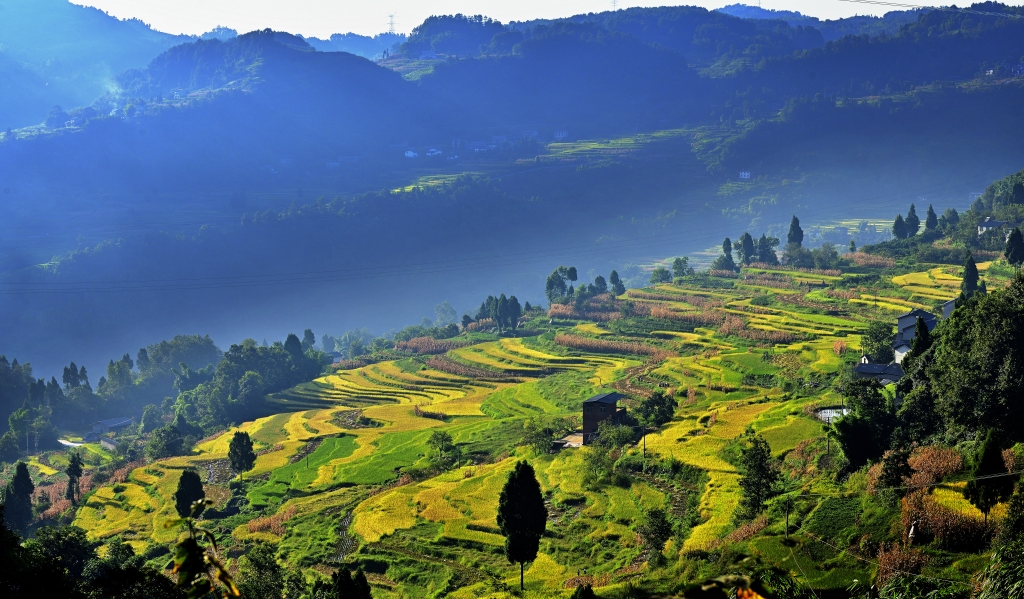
889	24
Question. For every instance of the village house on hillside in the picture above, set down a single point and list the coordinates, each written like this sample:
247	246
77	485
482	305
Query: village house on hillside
906	330
598	409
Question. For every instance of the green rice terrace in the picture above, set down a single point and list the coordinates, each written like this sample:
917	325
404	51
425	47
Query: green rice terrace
344	472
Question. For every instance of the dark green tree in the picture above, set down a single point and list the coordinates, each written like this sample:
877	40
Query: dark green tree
950	218
922	338
1011	529
600	285
515	312
17	498
745	249
522	516
978	377
853	246
655	529
308	339
190	490
766	249
913	222
899	228
985	493
555	288
444	453
969	285
150	419
617	287
680	267
877	342
240	453
293	346
760	477
74	472
656	409
259	574
931	220
895	469
725	261
864	434
1015	249
660	274
796	234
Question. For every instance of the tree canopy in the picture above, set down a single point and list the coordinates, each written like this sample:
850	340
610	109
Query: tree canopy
522	516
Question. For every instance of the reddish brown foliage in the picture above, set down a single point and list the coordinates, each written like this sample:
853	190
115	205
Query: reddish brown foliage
894	560
839	347
433	415
951	530
429	345
842	294
734	325
273	524
728	274
830	272
862	259
446	364
617	347
703	318
931	464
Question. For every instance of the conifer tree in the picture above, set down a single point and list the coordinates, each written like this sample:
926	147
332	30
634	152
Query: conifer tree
745	249
853	246
190	490
922	337
240	453
760	476
912	221
931	220
766	249
522	516
969	285
1015	249
17	498
74	472
796	234
899	227
725	261
985	493
617	287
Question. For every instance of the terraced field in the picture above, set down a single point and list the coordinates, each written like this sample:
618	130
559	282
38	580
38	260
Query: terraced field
343	468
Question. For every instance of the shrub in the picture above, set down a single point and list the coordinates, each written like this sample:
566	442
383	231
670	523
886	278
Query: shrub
894	560
273	524
871	260
951	530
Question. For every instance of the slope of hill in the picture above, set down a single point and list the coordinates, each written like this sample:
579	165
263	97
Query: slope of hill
349	470
76	50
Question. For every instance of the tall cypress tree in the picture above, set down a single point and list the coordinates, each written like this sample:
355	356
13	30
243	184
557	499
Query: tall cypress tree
617	287
796	234
17	499
970	283
985	493
190	490
522	516
74	472
1015	249
922	337
912	221
899	227
931	220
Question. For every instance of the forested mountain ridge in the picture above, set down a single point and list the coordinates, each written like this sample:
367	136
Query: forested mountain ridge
75	51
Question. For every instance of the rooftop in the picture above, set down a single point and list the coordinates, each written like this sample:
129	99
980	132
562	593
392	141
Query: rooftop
918	312
609	398
879	369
